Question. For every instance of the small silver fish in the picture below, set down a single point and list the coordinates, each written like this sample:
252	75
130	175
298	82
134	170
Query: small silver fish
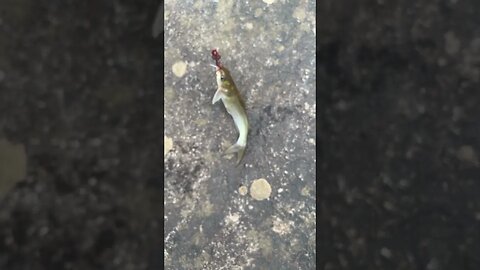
233	102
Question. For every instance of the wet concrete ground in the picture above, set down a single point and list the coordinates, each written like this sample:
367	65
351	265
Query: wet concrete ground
398	135
80	135
269	47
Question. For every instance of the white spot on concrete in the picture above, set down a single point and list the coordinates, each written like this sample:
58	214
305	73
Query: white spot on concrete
281	227
243	190
260	189
299	14
179	68
167	145
232	219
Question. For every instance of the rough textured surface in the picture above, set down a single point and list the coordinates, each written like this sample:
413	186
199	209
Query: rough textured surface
399	134
269	48
79	91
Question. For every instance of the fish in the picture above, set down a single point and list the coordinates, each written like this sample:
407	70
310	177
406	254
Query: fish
228	93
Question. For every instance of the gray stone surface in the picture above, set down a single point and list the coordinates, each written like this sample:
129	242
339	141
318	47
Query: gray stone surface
269	46
399	134
80	135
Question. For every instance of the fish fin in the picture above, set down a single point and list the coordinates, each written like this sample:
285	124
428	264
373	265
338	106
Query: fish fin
236	148
218	95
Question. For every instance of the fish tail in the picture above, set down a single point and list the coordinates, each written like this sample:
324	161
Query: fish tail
236	148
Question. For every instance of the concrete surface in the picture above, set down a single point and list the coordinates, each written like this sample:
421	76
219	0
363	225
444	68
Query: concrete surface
399	134
397	138
269	47
80	135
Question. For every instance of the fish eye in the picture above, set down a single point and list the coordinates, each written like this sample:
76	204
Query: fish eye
222	78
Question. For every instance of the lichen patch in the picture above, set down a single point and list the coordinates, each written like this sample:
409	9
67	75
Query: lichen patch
260	189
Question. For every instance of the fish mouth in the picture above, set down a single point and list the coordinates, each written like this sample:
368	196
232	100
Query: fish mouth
217	68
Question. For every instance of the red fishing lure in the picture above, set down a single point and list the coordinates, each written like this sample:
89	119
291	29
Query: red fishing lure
216	56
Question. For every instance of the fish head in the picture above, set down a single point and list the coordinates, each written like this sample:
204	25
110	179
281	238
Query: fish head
224	80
